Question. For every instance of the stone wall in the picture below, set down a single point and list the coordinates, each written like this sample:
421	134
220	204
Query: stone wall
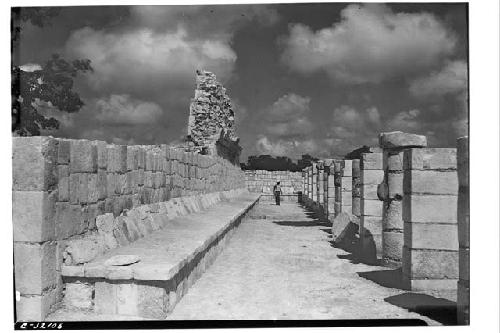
263	181
463	219
61	187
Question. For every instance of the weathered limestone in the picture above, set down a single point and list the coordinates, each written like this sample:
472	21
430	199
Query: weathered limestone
321	189
463	219
430	186
370	229
262	181
327	192
314	181
391	191
356	188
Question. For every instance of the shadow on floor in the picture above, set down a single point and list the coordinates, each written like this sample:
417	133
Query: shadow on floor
386	278
315	223
438	309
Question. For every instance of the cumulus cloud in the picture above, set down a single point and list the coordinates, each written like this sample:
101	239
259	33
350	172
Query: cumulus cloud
451	79
370	43
124	110
288	117
142	59
406	121
281	147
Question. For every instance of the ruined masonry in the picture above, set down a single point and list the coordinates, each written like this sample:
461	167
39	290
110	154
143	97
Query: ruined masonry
211	128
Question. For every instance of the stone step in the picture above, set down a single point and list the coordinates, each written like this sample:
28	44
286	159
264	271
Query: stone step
170	261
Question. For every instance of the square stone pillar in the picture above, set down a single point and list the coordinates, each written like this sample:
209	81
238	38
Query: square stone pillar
338	186
393	144
430	252
304	183
330	174
463	295
314	196
370	224
310	178
321	189
326	193
356	189
346	187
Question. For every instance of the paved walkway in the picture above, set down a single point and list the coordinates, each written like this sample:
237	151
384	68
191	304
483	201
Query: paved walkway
280	264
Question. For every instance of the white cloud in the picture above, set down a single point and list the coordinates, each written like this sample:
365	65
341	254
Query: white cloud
369	44
406	121
124	110
282	147
30	67
288	117
451	79
143	60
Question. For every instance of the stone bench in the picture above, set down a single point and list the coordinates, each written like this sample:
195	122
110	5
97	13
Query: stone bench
171	260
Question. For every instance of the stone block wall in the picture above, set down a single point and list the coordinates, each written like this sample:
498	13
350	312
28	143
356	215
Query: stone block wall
463	294
61	186
356	189
263	181
430	186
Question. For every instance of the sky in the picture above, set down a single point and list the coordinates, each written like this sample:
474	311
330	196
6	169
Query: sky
320	79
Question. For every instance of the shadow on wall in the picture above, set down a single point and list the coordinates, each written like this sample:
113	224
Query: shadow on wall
438	309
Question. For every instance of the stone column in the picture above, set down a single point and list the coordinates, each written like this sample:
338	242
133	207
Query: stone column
370	225
330	183
430	252
321	190
391	192
356	189
326	193
304	183
346	187
314	197
463	295
338	186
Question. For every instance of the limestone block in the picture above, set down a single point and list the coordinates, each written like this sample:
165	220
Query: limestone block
69	220
83	250
369	192
356	206
34	166
79	295
371	207
83	188
35	267
428	284
430	182
105	297
33	215
399	139
118	273
132	158
371	161
392	245
430	208
93	189
36	307
463	161
101	183
74	271
463	217
464	263
63	182
141	158
346	183
117	158
83	156
393	160
356	170
394	185
430	159
105	227
371	177
392	215
122	260
102	154
430	264
152	302
63	151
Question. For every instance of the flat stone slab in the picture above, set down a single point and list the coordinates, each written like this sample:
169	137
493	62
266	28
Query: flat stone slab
400	140
164	252
122	260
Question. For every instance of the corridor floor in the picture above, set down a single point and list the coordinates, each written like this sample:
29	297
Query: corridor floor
280	264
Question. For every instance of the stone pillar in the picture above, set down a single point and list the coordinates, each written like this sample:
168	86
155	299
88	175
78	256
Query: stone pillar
304	183
326	193
370	225
356	189
346	187
338	186
310	183
321	190
430	252
391	192
314	196
330	183
463	295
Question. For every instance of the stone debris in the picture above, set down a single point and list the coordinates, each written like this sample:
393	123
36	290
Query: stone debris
122	260
399	139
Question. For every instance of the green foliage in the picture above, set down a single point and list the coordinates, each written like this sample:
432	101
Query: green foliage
51	85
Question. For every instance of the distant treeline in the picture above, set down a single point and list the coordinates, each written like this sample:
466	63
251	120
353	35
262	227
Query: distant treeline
279	163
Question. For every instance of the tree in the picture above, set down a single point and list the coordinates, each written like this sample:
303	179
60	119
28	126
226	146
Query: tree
52	84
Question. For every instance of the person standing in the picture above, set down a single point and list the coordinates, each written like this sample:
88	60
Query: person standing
277	193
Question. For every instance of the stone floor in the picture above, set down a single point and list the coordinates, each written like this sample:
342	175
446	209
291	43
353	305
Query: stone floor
280	264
